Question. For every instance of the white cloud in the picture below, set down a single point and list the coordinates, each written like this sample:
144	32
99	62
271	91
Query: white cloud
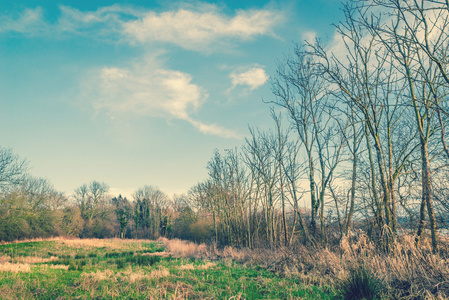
213	129
148	89
254	78
195	30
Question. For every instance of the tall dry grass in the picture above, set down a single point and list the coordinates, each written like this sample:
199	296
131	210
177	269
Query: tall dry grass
187	249
406	271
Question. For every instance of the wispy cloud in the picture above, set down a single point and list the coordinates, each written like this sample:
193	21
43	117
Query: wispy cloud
148	89
105	22
29	22
213	129
202	27
254	77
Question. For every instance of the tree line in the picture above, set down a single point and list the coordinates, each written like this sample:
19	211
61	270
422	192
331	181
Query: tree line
357	142
31	207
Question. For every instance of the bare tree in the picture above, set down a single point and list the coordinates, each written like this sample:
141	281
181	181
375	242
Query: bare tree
92	199
300	89
12	169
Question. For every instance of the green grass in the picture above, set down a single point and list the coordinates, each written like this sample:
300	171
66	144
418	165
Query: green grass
132	271
27	249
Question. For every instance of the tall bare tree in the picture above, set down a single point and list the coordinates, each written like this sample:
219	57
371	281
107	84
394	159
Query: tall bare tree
300	89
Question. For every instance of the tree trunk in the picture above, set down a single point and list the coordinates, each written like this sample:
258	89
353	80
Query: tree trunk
427	195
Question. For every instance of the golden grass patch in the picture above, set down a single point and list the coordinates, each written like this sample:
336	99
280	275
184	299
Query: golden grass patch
186	249
161	254
160	272
93	243
114	243
16	268
187	267
207	265
5	258
60	267
33	259
137	276
99	276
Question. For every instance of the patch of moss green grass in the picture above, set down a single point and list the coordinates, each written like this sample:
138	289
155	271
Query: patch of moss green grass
109	273
39	248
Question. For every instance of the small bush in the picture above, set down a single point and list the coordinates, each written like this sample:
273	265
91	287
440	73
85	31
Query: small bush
72	267
112	254
64	262
120	263
143	260
361	284
127	253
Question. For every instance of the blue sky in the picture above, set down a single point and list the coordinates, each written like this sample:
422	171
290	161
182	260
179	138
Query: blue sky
141	92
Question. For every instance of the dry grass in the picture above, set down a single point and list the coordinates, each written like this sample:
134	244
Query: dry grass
186	249
187	267
115	243
206	266
160	272
5	258
61	267
407	271
161	254
16	268
33	259
180	248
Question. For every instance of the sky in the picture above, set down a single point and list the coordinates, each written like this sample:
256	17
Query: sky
141	92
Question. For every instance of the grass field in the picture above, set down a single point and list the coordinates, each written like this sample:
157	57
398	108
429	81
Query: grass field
138	269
